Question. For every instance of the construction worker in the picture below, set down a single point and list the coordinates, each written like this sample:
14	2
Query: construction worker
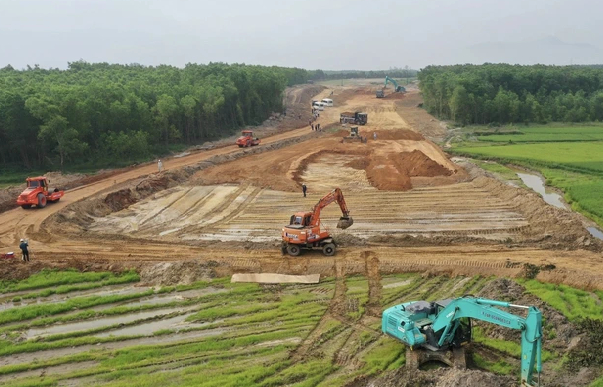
160	165
23	247
304	189
375	136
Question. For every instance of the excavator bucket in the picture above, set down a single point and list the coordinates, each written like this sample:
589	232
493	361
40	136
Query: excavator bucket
345	222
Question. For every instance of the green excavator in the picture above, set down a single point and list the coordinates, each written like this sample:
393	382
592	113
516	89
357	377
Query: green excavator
445	325
397	88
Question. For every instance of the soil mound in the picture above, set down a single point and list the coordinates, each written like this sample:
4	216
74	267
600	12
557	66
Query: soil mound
393	173
178	273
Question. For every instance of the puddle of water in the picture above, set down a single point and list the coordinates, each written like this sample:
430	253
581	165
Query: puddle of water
170	297
398	284
58	298
595	232
98	323
537	184
147	329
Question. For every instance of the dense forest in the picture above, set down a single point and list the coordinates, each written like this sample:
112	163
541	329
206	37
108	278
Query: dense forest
501	93
107	113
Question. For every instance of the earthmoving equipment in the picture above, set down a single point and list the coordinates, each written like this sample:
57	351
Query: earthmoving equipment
38	194
247	139
380	93
354	136
397	88
304	232
443	325
357	118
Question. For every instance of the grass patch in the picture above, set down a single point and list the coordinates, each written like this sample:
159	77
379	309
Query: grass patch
50	278
572	303
124	278
41	310
511	348
500	367
500	170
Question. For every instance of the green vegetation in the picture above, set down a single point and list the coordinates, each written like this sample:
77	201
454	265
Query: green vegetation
597	383
95	115
48	278
240	334
502	93
572	303
500	366
575	167
40	310
500	170
356	296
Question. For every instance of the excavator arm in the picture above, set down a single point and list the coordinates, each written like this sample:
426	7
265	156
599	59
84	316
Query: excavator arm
485	310
334	196
388	79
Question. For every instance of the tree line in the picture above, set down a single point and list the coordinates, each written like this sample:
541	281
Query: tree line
110	113
319	75
502	93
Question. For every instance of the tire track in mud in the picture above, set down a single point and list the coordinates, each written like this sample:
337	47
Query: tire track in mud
336	307
237	211
373	306
171	204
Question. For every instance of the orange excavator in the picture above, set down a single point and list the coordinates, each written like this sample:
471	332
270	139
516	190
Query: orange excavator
304	232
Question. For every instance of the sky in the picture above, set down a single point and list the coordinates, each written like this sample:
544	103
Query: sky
311	34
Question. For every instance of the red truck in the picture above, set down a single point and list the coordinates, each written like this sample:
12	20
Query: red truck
247	139
37	193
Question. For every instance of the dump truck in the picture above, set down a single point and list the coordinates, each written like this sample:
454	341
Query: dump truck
38	194
247	139
304	228
354	136
380	93
356	118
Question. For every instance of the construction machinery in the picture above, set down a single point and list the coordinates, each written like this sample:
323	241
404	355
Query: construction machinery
304	228
354	136
38	194
397	88
380	93
445	325
356	118
247	139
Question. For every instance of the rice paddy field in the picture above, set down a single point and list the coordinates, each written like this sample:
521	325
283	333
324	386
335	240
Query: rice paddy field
570	158
66	328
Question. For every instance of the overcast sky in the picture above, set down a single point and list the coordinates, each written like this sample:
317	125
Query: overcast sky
327	34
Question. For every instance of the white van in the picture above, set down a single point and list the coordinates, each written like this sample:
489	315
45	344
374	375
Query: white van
318	105
327	102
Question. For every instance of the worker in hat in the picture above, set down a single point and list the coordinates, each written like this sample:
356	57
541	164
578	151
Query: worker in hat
23	246
160	165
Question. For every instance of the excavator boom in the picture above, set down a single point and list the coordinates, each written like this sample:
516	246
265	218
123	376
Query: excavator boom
334	196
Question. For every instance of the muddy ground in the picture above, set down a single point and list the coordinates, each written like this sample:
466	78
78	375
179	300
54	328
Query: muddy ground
218	210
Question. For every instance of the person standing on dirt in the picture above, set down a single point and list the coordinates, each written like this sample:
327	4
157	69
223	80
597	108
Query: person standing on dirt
312	125
304	189
160	166
375	136
23	246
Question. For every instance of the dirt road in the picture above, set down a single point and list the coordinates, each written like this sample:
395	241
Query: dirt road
414	209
